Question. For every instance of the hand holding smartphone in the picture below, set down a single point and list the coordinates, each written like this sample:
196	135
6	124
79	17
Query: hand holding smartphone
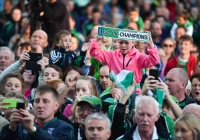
20	105
10	103
13	103
31	64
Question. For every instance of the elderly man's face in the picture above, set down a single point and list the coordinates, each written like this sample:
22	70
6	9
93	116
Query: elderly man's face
6	59
146	117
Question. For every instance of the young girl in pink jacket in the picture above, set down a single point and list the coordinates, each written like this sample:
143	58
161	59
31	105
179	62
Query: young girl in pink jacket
126	57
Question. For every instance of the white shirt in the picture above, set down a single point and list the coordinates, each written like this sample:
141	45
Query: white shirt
136	135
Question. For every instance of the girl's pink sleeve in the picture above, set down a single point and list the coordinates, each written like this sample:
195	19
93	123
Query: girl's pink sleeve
102	56
149	60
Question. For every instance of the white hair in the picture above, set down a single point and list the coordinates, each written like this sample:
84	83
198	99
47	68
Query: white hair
147	100
6	48
99	116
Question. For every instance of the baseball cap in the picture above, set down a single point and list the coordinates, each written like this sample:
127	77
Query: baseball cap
92	100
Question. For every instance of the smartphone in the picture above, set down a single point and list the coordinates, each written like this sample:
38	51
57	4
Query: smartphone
32	63
20	105
35	56
13	103
154	73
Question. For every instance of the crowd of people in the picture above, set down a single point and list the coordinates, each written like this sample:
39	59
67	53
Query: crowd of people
75	85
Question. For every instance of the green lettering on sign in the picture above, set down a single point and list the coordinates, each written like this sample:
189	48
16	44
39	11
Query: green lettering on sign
123	34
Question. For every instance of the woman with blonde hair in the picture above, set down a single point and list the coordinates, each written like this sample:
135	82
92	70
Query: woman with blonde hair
187	127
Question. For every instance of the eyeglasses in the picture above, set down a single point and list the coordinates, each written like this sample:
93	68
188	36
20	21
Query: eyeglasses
195	85
89	110
168	45
122	42
28	71
193	52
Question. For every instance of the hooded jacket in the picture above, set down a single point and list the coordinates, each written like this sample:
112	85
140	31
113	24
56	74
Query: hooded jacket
52	130
133	61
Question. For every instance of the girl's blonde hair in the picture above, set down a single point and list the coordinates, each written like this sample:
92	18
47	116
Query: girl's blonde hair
74	109
58	37
92	85
192	122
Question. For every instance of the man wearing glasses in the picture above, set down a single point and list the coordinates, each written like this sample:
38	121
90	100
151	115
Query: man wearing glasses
87	105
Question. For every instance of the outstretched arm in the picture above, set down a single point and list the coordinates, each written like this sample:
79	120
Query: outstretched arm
153	58
177	111
100	55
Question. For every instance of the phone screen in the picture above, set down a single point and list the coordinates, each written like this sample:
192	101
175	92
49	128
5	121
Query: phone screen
154	73
20	105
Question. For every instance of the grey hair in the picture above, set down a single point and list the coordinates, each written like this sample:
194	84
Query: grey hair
147	100
99	116
6	48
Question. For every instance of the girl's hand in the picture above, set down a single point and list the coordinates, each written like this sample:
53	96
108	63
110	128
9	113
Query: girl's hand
150	43
24	57
86	46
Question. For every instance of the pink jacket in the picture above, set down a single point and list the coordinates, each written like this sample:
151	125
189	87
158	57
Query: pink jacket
132	61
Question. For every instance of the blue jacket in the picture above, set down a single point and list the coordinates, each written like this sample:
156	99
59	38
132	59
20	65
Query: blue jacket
52	130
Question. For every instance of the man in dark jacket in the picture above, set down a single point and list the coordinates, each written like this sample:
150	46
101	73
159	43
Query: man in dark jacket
44	126
176	80
55	18
150	124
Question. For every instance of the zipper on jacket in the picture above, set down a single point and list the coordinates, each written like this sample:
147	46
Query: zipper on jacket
128	62
123	60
